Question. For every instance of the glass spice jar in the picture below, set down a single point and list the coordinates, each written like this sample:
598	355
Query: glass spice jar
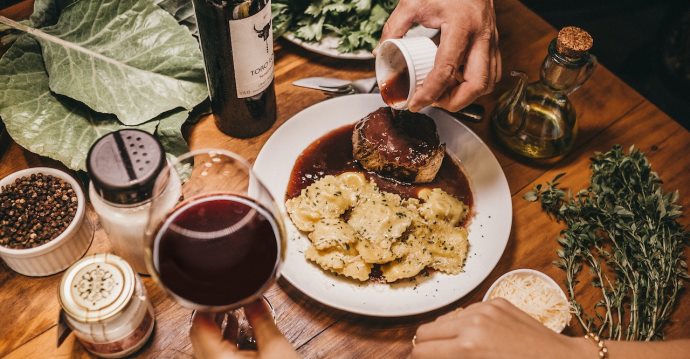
104	302
123	166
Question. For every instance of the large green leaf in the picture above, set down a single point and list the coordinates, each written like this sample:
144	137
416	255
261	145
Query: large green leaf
57	126
47	12
125	57
183	11
169	133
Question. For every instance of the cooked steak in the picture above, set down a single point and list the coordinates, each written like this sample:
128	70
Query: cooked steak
402	145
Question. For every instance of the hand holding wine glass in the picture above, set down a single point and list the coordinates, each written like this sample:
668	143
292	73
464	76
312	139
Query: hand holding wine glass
209	343
221	246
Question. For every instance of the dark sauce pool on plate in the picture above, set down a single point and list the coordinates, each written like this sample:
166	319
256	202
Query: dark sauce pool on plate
331	154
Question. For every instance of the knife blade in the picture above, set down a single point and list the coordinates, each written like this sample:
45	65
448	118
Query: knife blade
327	84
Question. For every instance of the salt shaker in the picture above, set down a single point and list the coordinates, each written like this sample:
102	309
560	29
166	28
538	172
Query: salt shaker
104	302
123	167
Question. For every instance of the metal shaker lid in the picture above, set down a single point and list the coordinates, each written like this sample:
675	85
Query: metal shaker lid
96	288
124	165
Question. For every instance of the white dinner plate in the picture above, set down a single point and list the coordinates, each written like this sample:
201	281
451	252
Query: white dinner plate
328	46
488	229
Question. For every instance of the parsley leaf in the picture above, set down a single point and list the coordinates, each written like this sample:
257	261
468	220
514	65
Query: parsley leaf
357	24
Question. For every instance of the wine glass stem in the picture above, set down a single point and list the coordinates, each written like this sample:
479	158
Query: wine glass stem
236	327
245	332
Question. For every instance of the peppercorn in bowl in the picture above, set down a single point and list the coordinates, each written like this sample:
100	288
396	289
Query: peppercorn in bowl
43	226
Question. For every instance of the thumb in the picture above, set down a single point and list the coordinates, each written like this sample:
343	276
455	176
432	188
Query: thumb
207	340
271	342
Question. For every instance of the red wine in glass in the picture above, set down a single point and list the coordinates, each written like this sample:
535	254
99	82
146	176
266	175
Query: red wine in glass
217	251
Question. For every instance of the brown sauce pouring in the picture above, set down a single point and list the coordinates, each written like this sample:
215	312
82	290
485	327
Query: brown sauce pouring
397	88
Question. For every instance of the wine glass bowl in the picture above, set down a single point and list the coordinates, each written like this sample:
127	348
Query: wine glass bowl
220	247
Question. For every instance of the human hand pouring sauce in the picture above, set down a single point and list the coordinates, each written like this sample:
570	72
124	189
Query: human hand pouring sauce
403	65
466	64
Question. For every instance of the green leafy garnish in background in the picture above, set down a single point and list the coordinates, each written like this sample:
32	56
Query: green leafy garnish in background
357	24
65	126
625	229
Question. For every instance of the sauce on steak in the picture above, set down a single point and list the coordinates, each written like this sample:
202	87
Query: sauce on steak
398	144
332	155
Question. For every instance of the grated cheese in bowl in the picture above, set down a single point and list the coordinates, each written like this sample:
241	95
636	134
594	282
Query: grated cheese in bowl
536	294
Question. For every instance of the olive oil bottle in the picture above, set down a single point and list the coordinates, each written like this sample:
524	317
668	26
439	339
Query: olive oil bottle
537	120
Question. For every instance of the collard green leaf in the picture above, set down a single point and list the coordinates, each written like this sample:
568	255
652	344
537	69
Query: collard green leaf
7	36
47	12
49	125
169	133
183	11
128	57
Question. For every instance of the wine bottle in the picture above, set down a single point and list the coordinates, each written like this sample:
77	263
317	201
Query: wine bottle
237	43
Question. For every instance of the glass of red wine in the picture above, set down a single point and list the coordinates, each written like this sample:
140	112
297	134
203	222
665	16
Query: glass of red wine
221	245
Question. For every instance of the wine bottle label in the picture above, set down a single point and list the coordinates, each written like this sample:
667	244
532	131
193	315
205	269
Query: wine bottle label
252	52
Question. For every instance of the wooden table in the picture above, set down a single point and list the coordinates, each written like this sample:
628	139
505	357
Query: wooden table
609	112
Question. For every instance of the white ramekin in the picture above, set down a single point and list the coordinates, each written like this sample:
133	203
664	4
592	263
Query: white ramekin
60	253
533	272
417	54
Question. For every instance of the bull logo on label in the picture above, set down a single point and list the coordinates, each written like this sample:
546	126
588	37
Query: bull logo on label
264	33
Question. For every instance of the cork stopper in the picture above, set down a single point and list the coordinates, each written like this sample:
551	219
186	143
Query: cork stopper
573	41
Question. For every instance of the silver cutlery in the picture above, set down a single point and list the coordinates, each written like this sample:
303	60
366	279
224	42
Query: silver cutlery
338	87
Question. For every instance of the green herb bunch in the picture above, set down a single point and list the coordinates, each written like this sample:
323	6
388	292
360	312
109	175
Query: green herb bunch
357	24
625	229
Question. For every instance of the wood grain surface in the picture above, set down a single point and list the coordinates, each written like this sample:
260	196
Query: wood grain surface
609	112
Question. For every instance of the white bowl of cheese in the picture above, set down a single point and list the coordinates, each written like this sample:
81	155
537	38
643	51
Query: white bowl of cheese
536	294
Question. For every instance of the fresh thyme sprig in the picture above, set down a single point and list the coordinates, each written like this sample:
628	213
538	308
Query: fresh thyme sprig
625	229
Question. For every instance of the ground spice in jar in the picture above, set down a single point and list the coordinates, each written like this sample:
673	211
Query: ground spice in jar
35	210
105	304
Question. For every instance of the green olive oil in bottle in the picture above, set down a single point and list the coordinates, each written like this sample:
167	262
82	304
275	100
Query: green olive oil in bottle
537	120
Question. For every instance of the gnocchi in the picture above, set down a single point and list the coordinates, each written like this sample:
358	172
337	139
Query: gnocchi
353	226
